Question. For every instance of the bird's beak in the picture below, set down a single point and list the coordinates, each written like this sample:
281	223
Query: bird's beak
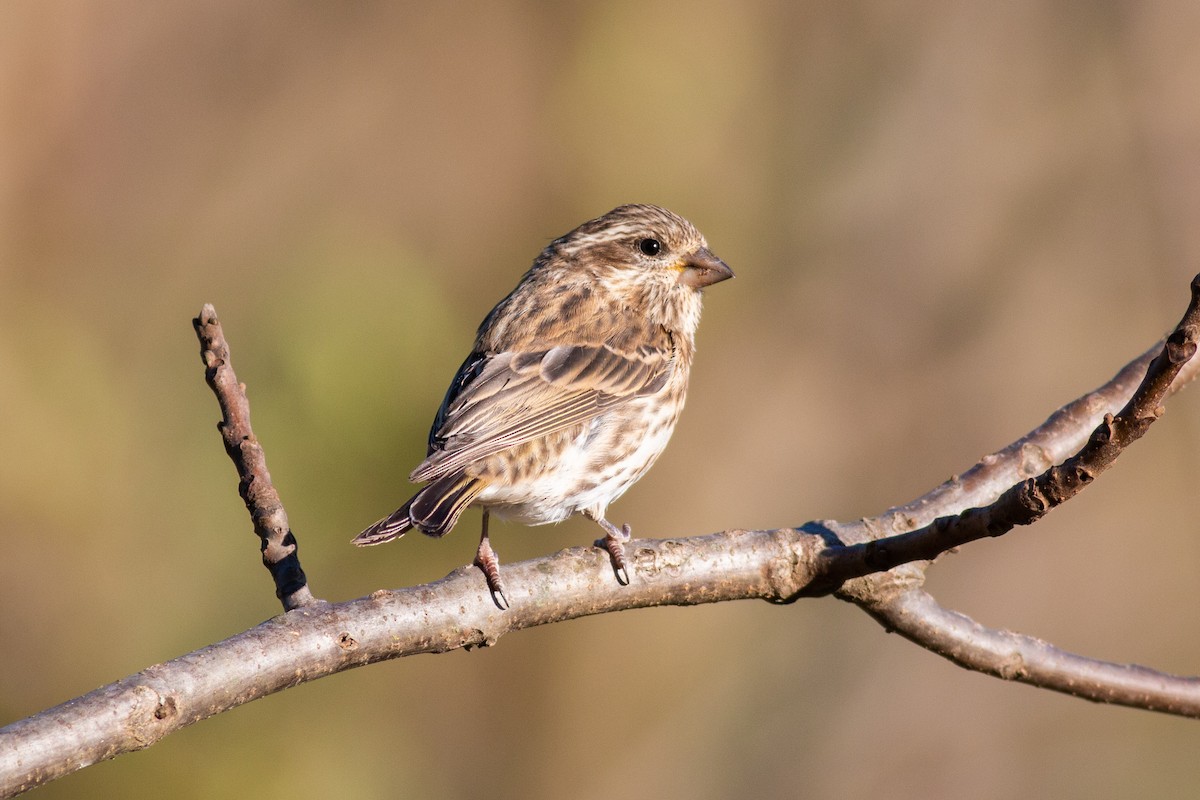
702	268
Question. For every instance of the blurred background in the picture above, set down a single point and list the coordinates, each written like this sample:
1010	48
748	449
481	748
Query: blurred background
946	220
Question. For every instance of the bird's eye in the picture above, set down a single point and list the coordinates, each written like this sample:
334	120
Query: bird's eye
650	247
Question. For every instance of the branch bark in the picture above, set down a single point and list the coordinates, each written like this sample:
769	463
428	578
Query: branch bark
877	563
280	552
322	639
916	616
1028	500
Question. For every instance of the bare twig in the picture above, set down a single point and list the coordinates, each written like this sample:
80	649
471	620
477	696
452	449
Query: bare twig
915	615
279	548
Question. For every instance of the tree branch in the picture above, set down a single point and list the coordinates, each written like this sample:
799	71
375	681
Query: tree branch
1062	434
455	612
916	616
279	548
315	639
896	600
1033	498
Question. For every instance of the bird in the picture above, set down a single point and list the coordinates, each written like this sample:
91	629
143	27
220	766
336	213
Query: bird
573	386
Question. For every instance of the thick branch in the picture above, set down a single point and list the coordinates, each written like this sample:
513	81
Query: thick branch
1050	443
1029	500
279	548
1062	434
454	612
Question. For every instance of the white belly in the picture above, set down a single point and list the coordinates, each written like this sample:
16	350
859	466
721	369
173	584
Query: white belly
591	472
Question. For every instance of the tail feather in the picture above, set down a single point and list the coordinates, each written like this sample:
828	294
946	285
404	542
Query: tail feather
393	526
434	510
438	506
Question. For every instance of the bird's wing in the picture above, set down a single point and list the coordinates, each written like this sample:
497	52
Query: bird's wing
501	400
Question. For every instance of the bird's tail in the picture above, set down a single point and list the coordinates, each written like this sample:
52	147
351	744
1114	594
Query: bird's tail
438	506
434	510
393	526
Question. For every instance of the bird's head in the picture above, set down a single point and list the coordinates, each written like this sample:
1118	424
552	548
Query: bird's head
638	268
642	243
652	261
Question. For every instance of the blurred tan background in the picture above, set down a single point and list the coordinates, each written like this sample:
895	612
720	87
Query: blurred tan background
946	220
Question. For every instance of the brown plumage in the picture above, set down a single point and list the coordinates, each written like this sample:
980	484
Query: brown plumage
573	386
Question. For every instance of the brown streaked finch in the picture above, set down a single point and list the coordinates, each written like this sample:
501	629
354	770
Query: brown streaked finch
573	387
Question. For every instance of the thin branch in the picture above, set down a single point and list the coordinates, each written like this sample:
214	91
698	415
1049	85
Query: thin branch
915	615
279	548
897	601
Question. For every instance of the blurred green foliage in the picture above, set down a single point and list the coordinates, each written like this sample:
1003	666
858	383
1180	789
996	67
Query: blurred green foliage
946	220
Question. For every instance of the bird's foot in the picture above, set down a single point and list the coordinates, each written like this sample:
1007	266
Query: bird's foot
489	564
614	542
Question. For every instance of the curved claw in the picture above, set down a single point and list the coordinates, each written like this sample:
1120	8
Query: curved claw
489	565
614	542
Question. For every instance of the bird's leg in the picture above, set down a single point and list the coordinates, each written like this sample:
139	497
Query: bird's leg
614	542
489	564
